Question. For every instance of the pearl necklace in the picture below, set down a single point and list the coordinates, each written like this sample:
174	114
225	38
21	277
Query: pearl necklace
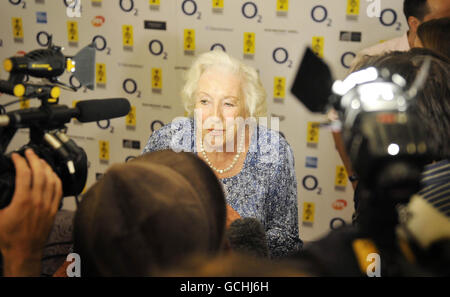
235	159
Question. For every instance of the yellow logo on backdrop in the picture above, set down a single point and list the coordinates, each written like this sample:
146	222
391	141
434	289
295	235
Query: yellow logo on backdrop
154	2
130	119
312	132
308	212
189	39
101	73
279	87
341	176
249	43
157	78
72	31
318	45
353	7
103	150
17	28
127	34
282	5
217	3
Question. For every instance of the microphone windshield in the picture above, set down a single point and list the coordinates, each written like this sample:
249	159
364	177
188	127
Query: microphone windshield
247	235
102	109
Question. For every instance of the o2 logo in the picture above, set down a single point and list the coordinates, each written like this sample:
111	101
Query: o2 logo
74	82
218	45
319	14
130	87
189	8
17	2
389	22
155	125
156	48
129	158
280	55
105	125
128	6
337	223
344	59
43	35
100	44
311	183
250	11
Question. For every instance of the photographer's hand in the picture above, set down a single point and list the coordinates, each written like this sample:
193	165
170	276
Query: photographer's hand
26	223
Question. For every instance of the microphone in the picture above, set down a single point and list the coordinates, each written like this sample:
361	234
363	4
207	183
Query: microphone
102	109
55	115
247	235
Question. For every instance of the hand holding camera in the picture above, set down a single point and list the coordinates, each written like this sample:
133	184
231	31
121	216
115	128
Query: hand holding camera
26	223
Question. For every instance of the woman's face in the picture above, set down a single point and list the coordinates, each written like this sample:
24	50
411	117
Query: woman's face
219	101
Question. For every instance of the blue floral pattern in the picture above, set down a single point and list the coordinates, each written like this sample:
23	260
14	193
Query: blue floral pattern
265	189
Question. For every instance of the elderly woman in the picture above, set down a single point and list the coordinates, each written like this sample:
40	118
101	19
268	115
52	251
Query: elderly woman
223	97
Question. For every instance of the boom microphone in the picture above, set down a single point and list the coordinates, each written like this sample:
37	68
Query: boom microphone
55	115
102	109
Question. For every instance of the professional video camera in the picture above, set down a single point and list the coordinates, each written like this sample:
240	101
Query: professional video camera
387	144
47	122
384	137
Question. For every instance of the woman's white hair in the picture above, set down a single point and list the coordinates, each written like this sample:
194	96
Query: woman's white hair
251	86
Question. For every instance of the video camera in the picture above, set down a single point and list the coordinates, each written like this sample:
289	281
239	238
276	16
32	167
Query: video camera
383	135
47	122
381	117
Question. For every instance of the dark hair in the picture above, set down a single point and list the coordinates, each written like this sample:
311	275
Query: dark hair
435	35
148	214
415	8
433	100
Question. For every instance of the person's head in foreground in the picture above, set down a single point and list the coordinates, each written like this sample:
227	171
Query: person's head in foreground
236	265
149	214
419	11
435	35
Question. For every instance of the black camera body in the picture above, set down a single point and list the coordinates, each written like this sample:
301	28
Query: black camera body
73	184
384	137
382	132
381	120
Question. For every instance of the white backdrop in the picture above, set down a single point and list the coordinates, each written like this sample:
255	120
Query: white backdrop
133	58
